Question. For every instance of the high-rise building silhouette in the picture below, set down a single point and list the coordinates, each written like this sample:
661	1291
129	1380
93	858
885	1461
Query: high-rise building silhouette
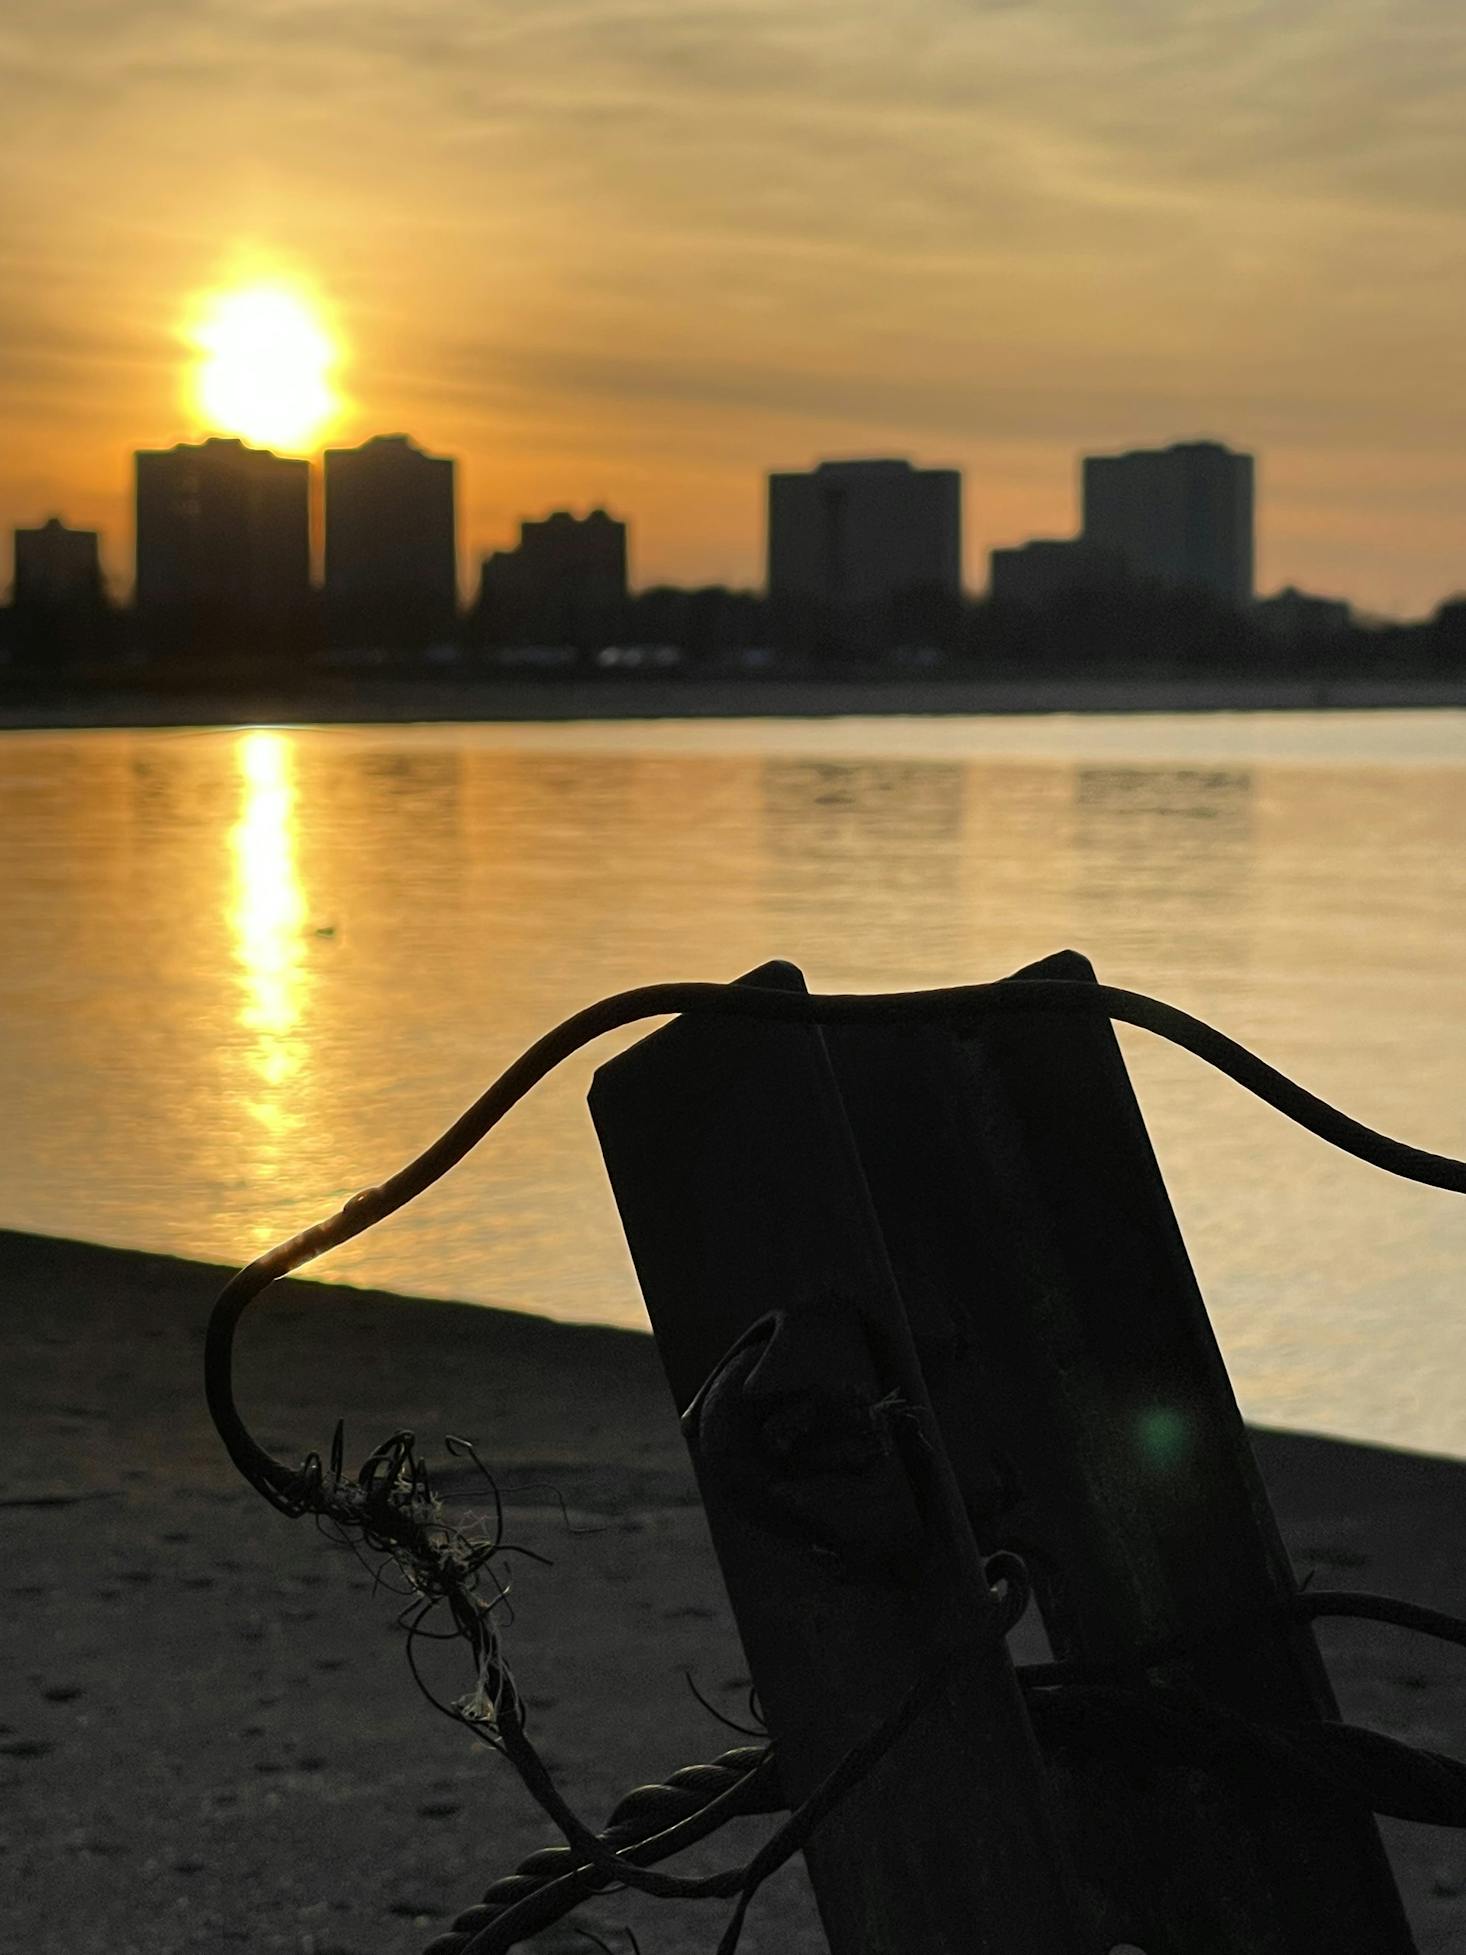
391	559
223	540
566	580
851	537
57	567
58	611
1179	516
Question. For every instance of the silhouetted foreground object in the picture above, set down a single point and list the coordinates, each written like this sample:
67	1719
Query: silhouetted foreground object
836	1517
1001	1221
1088	1410
936	1344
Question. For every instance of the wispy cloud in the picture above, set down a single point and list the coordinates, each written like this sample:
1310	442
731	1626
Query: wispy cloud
978	221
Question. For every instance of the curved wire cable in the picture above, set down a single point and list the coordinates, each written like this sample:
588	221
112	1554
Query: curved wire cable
953	1006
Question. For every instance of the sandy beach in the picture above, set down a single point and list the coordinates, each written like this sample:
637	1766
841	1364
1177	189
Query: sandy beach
209	1736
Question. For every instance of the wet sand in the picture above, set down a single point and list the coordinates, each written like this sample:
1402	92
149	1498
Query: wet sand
208	1733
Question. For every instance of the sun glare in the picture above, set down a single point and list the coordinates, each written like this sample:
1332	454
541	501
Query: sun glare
265	360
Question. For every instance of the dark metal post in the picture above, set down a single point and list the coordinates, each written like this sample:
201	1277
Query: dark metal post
1091	1422
831	1504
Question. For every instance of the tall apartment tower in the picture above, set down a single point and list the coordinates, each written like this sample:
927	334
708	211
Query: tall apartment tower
57	567
854	536
223	537
391	542
1179	516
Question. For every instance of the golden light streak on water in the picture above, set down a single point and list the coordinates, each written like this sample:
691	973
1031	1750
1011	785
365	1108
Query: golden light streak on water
267	919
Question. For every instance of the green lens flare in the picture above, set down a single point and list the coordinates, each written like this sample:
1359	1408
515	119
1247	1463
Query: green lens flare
1164	1437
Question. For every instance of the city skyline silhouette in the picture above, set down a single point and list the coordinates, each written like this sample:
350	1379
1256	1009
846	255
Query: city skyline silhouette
118	550
632	256
1150	523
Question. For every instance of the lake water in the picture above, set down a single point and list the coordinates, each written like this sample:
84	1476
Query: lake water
244	972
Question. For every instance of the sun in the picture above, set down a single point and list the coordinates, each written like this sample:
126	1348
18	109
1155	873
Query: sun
264	366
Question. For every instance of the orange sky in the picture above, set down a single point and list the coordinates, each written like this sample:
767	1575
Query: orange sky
640	251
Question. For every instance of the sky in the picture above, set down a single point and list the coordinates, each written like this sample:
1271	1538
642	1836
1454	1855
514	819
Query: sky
639	252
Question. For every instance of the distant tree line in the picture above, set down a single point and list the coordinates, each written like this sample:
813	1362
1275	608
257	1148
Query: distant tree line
1124	630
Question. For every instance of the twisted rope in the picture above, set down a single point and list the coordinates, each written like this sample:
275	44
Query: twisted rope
650	1823
499	1932
1071	1707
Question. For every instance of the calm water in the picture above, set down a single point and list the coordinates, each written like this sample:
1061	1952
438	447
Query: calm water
244	972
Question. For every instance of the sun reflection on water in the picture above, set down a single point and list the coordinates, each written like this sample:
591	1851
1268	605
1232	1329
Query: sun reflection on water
194	1067
267	919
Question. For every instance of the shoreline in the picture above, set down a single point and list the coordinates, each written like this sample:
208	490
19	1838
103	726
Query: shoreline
410	700
211	1736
